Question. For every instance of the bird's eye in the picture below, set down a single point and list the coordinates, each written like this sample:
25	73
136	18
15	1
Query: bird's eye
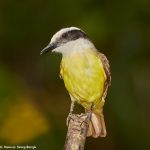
65	35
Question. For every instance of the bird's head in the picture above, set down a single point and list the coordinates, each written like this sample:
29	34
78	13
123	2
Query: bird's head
67	40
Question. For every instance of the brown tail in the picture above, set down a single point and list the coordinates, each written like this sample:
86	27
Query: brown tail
97	126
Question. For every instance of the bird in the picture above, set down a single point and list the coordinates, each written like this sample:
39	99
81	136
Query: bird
85	72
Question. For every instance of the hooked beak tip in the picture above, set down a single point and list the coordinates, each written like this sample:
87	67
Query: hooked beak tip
48	48
41	53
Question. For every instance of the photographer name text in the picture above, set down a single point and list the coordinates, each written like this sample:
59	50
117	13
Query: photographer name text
21	147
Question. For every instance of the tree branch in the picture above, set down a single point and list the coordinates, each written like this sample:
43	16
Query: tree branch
77	131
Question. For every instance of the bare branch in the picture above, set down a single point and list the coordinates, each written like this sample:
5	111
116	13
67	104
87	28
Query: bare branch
77	131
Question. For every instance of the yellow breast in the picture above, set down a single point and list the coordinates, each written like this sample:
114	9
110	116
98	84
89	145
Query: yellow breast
84	77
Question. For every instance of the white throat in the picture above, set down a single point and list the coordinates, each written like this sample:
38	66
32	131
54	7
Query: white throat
79	45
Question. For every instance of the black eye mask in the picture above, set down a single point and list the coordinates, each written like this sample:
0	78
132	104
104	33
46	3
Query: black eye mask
72	35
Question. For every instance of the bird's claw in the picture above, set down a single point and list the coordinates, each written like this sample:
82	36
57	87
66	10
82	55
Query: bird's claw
69	118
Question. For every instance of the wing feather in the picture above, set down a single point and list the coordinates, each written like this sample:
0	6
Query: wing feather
106	66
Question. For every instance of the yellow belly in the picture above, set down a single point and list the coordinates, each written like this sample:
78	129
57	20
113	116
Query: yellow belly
84	77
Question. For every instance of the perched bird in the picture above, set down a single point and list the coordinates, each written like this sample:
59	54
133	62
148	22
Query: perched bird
86	74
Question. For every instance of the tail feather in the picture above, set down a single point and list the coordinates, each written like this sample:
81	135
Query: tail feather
97	126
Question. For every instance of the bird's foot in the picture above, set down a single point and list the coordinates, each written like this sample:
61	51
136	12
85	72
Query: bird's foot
88	116
69	118
70	113
87	119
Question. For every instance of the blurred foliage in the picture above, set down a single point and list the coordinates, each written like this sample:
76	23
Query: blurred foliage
33	101
23	123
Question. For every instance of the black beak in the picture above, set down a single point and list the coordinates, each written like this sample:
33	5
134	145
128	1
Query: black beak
48	48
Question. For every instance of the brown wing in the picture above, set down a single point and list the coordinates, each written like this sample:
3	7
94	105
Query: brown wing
107	71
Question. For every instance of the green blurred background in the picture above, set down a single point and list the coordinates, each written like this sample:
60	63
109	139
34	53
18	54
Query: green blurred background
34	103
